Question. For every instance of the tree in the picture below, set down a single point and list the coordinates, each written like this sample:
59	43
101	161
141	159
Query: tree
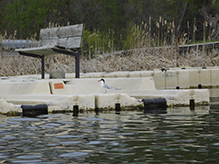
113	18
209	11
28	16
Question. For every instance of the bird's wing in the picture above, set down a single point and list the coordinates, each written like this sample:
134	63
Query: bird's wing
107	86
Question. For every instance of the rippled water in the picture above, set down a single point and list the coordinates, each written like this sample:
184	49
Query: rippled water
175	136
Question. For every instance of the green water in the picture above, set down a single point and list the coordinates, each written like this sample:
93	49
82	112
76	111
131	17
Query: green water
178	135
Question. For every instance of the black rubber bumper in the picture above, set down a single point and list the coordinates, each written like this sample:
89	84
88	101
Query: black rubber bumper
34	110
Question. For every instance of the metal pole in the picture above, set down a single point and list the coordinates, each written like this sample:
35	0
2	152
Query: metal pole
42	69
77	64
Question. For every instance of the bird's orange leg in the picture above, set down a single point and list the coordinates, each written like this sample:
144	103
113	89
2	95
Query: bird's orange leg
105	91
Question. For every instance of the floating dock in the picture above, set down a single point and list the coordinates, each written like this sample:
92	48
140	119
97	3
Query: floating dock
179	87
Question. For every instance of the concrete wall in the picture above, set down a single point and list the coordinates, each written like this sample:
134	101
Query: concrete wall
91	85
88	93
24	87
170	79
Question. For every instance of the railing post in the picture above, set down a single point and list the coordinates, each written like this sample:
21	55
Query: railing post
42	68
77	64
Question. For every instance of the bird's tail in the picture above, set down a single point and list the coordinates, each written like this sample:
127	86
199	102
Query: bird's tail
116	88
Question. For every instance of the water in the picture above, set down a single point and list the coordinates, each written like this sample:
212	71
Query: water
177	136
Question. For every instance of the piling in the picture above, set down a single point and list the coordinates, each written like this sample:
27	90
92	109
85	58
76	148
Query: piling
192	104
75	110
199	86
117	108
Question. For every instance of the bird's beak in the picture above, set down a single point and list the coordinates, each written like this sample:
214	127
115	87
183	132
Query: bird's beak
98	80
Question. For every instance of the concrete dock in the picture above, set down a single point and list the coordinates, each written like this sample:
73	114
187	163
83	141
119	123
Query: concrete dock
178	86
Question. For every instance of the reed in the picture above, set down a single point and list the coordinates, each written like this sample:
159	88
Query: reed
143	55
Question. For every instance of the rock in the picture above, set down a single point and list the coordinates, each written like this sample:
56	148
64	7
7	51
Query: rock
57	74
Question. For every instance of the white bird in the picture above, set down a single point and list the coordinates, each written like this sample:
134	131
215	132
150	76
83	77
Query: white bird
105	86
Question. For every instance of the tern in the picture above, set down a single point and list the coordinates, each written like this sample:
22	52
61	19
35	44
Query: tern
105	86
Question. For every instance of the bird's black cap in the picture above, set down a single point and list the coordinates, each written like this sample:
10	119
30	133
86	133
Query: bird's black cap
102	80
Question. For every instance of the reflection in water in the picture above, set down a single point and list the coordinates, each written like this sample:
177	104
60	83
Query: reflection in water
177	136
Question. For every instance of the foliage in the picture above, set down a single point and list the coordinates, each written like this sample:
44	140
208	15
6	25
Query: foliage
136	36
110	22
96	42
26	17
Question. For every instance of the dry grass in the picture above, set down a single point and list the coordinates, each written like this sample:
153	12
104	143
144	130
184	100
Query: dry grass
135	61
141	60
